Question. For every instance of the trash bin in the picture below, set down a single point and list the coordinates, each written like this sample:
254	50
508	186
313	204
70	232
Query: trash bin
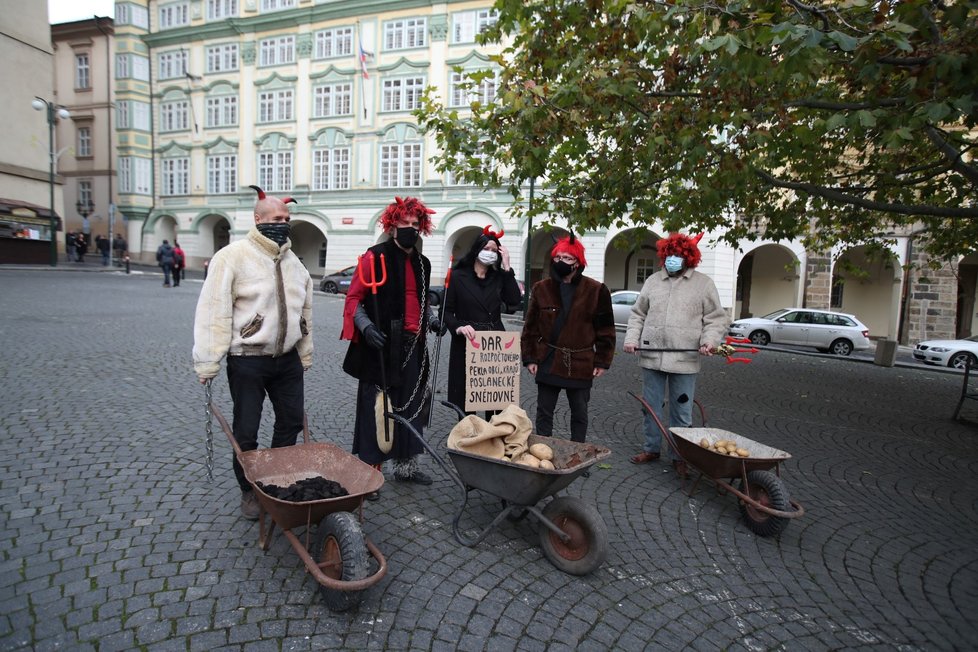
886	351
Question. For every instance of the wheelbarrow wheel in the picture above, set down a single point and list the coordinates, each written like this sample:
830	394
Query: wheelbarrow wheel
588	545
767	489
342	554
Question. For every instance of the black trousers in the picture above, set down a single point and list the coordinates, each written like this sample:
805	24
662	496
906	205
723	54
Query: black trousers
547	402
250	379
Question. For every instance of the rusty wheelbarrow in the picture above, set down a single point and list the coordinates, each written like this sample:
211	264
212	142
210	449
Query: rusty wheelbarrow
763	496
340	557
573	536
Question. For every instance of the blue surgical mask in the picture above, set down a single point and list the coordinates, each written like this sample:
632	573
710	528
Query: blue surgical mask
674	264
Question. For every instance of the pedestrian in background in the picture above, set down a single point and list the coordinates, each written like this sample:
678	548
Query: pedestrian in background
165	258
119	248
102	245
81	247
255	307
568	337
179	262
71	246
481	283
677	308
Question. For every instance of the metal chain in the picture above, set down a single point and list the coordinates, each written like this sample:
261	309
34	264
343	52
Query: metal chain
424	355
209	439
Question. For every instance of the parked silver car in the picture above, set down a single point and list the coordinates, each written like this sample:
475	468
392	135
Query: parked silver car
949	353
621	303
827	331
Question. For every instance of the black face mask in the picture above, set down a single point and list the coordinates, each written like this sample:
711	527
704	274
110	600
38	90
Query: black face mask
562	268
277	232
406	236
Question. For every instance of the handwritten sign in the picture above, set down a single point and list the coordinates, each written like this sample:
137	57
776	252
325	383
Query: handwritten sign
492	370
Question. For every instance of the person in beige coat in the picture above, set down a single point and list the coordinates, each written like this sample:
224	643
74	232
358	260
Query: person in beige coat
676	319
256	308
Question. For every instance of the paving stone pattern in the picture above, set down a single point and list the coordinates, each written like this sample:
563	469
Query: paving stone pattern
111	537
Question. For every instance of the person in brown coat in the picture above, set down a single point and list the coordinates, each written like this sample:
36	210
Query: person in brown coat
568	337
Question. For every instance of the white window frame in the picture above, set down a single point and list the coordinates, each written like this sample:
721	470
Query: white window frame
276	106
331	168
405	33
83	72
401	165
84	142
140	115
130	14
332	100
459	97
334	42
221	9
466	25
644	267
85	196
135	175
123	115
222	174
123	66
276	51
276	5
172	64
222	58
175	176
402	93
175	115
175	14
221	111
275	170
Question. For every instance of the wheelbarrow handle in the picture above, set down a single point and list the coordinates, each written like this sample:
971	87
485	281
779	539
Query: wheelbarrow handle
234	442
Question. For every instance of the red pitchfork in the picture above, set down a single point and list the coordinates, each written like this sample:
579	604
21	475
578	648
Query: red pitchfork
727	349
373	284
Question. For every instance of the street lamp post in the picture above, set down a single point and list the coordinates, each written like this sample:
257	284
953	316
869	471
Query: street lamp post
54	112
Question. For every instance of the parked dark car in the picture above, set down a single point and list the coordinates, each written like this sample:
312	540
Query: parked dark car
338	281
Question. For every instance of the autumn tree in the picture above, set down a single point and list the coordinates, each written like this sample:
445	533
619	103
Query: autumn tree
834	122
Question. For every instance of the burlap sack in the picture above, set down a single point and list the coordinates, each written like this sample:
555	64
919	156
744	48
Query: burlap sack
516	426
504	436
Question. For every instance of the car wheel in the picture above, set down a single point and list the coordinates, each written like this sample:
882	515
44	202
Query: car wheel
330	287
961	359
841	347
760	338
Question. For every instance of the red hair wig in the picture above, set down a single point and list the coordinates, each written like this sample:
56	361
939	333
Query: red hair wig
678	244
407	208
572	246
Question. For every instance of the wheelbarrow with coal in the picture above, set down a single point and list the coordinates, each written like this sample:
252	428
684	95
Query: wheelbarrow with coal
573	536
341	558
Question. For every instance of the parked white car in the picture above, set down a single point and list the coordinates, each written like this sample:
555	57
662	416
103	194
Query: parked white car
621	303
948	353
825	330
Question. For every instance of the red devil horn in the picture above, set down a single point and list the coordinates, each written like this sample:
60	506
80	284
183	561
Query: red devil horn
486	231
261	193
290	200
695	239
489	232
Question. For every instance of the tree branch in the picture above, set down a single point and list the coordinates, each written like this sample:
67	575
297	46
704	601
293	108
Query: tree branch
969	172
840	197
846	106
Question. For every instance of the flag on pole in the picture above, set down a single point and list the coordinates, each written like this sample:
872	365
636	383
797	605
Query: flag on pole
364	54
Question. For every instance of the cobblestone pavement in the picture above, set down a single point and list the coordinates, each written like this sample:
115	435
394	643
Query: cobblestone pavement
113	539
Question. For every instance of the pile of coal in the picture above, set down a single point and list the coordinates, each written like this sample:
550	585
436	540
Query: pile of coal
317	488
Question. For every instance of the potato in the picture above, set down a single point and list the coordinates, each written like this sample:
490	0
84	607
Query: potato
722	443
546	465
529	460
743	452
705	443
542	452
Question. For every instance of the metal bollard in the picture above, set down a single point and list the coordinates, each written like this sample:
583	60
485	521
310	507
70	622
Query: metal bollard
126	259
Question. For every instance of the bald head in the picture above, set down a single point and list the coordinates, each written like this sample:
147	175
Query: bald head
271	209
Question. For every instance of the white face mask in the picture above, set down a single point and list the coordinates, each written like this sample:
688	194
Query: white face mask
487	257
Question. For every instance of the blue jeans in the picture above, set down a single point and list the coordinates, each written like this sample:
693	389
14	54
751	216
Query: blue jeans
681	392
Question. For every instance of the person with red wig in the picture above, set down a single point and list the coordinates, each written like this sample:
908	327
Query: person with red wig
389	333
677	308
568	337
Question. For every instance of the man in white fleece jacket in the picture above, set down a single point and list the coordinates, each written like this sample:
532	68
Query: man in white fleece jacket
256	308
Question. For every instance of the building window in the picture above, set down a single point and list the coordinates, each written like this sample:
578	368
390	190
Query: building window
644	268
222	111
217	9
175	176
83	80
336	42
222	174
275	106
174	15
122	66
134	175
131	66
400	165
221	58
835	297
332	100
277	51
462	93
131	114
466	25
403	94
174	116
85	193
275	171
275	5
452	178
122	115
406	33
84	142
127	14
172	64
331	169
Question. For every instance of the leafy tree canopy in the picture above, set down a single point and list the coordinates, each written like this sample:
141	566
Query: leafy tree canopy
835	122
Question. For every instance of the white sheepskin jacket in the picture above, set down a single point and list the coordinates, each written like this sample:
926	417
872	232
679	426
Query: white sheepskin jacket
681	312
256	300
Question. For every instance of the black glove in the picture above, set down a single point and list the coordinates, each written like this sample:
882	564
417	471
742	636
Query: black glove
436	326
374	338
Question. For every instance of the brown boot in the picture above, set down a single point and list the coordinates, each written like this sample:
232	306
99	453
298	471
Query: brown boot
643	458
